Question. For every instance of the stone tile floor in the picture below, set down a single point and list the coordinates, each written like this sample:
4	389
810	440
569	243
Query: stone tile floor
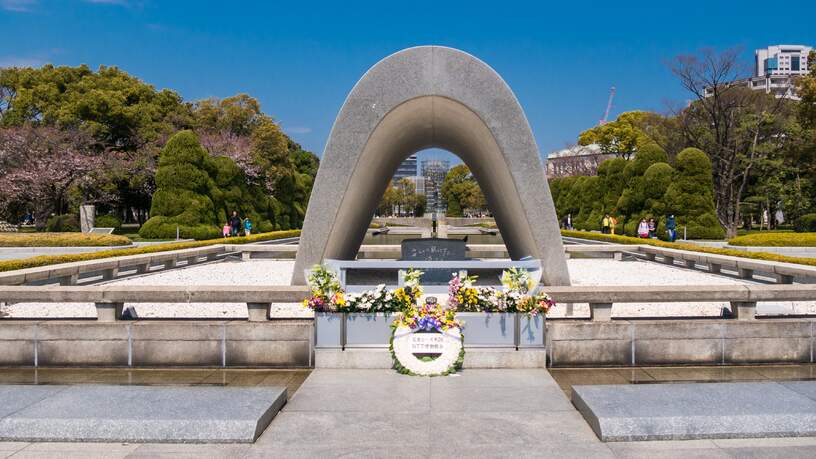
567	377
378	413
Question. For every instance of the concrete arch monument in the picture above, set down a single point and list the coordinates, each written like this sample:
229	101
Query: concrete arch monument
425	97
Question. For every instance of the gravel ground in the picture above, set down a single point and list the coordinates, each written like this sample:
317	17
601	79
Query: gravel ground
278	272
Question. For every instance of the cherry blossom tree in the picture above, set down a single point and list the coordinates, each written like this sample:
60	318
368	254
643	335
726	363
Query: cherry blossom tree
41	166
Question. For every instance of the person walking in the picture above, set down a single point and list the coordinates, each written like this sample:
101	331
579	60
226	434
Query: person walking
671	228
235	223
643	228
226	230
569	221
605	224
247	226
652	228
612	222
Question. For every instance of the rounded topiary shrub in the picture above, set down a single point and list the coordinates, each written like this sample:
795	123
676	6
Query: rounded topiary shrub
63	223
805	223
107	221
162	228
182	199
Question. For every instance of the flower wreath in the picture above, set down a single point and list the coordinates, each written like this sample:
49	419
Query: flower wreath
429	318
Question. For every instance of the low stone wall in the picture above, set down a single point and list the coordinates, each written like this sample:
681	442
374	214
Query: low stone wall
280	343
462	221
680	342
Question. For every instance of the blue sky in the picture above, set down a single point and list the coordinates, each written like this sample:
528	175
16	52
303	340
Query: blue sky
300	59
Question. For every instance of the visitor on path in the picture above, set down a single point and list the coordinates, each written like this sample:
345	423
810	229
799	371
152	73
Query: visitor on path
643	228
652	228
605	224
612	222
671	228
226	230
569	221
247	226
235	223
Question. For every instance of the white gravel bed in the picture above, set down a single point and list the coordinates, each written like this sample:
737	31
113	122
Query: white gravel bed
278	272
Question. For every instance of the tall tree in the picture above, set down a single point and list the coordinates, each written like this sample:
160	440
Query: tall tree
737	126
41	166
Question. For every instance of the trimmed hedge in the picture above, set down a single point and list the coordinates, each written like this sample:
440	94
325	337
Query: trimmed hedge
805	223
107	221
63	223
775	240
61	240
690	247
46	260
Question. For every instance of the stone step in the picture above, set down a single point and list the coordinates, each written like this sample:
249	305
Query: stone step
698	411
166	414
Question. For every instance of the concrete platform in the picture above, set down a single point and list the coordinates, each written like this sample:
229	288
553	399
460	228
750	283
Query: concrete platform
637	412
91	413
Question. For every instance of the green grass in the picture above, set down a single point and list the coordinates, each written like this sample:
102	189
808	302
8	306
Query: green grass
776	239
61	240
744	232
45	260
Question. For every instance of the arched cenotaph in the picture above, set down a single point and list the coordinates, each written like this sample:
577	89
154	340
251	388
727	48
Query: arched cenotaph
419	98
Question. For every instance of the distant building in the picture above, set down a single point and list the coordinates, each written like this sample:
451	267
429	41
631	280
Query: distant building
576	160
775	70
433	173
408	169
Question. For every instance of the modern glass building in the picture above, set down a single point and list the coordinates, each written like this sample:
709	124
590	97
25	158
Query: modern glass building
434	172
408	169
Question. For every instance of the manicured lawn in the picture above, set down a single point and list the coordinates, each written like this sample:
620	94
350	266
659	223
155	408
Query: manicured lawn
45	260
61	240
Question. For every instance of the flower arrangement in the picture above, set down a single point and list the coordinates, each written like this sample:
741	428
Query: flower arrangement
428	317
516	295
327	295
463	296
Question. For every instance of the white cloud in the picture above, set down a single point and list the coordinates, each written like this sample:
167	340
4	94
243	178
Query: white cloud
298	130
16	61
18	6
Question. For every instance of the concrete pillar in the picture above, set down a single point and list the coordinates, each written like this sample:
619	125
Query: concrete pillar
600	312
691	264
567	255
743	310
618	256
668	260
714	268
650	256
191	260
745	273
87	218
169	264
784	279
110	274
69	280
246	256
141	269
211	256
258	312
109	312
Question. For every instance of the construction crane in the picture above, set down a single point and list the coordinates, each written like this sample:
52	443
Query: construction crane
608	106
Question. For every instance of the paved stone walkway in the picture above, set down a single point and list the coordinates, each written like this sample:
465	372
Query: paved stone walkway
478	413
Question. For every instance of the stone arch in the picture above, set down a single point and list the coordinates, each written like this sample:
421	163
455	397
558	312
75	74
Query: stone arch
419	98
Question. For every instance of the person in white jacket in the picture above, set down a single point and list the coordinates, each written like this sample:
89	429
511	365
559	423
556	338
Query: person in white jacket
643	228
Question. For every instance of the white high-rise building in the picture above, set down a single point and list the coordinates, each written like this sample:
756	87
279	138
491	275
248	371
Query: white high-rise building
775	69
782	60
